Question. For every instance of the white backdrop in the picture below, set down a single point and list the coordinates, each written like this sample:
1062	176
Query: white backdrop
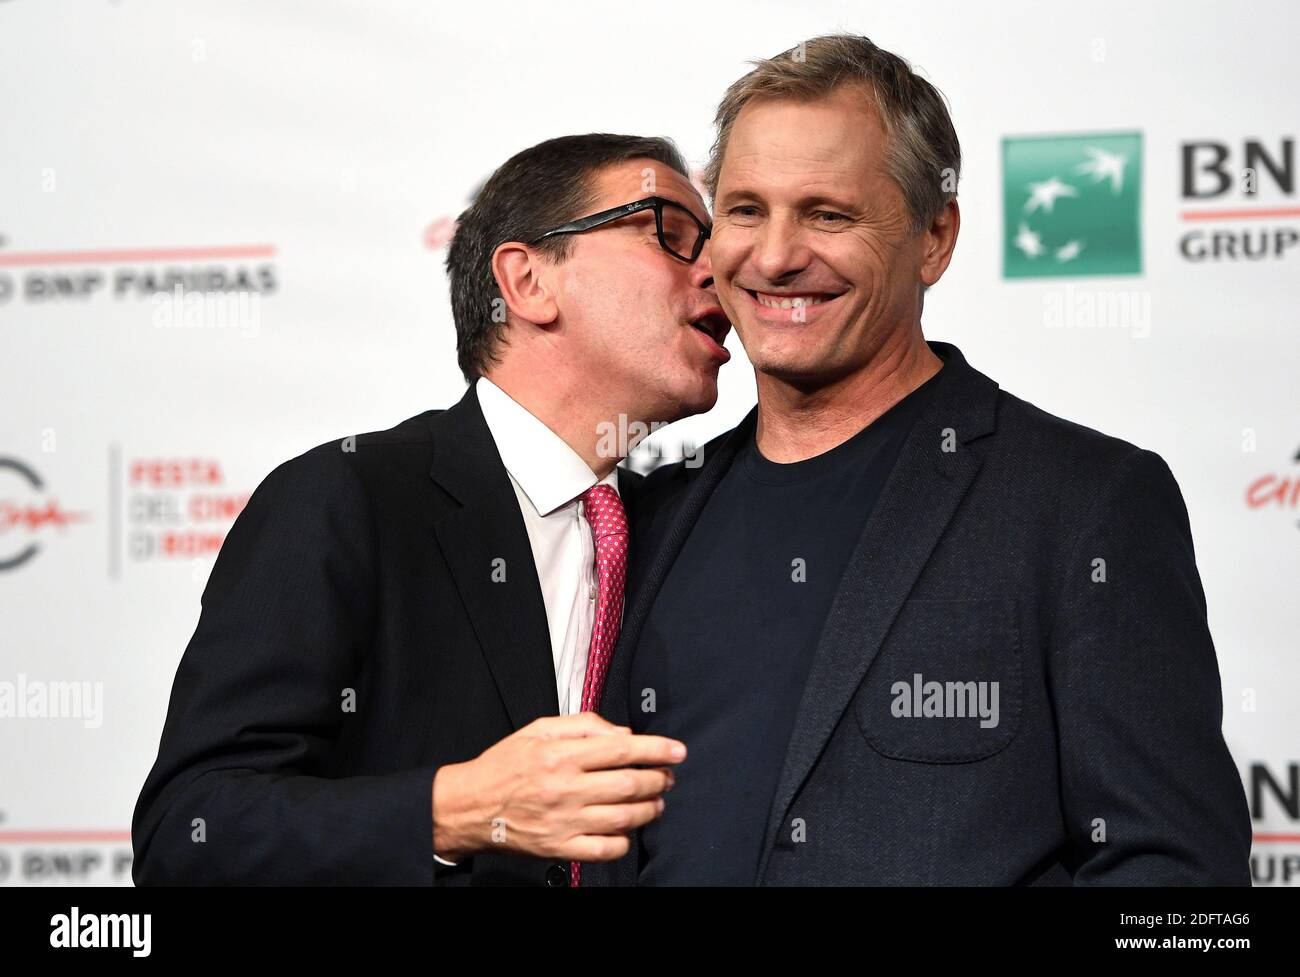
313	155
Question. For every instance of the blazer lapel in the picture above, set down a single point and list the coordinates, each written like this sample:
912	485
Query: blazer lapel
914	508
485	544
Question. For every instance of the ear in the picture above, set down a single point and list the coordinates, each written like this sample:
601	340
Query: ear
939	240
519	271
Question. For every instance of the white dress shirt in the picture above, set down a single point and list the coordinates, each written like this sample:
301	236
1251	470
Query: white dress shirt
548	476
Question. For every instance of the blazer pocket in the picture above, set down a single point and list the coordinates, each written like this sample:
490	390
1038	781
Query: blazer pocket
946	685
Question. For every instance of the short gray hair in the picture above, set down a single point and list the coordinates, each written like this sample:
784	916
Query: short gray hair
924	156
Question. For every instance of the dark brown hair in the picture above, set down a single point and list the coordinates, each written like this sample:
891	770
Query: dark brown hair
535	190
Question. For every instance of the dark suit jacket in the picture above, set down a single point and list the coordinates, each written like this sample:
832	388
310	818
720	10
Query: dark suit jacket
352	640
978	563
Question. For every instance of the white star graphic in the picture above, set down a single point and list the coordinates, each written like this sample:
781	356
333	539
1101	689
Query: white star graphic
1028	241
1067	252
1103	166
1045	194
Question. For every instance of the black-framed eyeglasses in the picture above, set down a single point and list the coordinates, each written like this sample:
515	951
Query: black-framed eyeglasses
680	232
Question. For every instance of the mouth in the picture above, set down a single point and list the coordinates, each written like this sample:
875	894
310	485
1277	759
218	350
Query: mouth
715	326
790	303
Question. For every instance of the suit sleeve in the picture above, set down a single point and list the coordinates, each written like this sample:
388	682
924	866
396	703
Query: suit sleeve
241	792
1148	788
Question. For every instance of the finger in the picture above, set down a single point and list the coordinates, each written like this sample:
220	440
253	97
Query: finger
627	750
577	725
596	848
670	774
618	819
625	786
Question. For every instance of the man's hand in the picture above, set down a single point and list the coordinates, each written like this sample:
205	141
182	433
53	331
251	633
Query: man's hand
565	787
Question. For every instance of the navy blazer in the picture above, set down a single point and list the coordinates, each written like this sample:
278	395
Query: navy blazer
1007	546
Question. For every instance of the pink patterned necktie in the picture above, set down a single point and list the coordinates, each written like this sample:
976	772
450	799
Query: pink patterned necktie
604	511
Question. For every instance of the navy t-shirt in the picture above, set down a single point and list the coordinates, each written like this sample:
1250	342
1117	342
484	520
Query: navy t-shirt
726	650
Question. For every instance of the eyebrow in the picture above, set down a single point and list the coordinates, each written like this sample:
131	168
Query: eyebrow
802	203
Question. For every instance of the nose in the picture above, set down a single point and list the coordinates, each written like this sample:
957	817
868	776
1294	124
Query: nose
702	269
779	251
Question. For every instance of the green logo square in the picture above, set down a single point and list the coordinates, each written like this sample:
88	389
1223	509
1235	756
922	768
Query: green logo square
1072	205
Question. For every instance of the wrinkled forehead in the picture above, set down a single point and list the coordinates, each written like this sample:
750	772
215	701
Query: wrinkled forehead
831	137
636	179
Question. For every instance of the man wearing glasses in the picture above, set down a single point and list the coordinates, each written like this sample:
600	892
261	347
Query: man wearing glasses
404	639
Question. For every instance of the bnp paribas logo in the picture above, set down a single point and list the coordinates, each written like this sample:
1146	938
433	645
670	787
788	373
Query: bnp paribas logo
1072	205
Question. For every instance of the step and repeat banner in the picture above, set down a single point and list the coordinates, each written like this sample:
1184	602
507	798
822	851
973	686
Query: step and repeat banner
222	227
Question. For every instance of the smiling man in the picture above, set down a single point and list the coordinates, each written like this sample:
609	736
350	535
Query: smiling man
405	636
912	629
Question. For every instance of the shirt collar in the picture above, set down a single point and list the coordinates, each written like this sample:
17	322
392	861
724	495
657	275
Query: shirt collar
548	470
